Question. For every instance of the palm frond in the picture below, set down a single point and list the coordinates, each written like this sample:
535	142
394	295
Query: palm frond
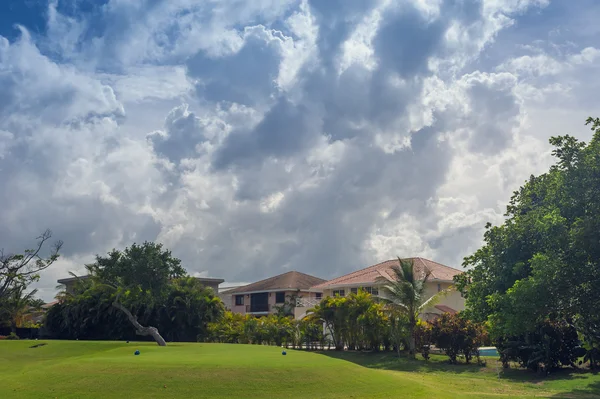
435	299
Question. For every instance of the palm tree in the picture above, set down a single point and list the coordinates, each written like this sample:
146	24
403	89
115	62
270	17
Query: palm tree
17	306
406	293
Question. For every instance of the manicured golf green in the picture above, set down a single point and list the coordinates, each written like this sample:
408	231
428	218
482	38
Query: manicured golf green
83	369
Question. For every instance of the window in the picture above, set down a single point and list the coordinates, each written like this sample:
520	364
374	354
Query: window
280	297
354	290
375	291
319	295
439	287
339	293
239	300
366	289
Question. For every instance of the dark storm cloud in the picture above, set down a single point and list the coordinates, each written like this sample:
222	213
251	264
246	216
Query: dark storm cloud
337	19
406	40
246	77
496	110
321	230
286	129
183	131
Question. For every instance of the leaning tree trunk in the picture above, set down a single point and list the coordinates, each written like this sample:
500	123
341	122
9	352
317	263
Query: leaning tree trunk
139	329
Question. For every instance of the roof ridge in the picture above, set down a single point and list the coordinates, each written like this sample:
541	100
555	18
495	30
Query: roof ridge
360	272
439	264
439	270
304	274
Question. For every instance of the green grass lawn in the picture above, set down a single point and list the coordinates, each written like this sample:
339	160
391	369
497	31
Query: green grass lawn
84	369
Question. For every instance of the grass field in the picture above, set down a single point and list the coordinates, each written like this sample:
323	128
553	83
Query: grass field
67	369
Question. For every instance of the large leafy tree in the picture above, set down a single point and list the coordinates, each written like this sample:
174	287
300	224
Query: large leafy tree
543	262
406	292
139	277
20	270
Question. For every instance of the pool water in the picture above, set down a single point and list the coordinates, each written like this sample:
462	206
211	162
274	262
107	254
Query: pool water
488	351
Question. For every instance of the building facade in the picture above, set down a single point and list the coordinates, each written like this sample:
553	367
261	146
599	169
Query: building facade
371	279
270	295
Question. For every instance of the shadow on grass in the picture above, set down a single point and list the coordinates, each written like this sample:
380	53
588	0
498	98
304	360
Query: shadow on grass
440	364
391	361
587	392
523	375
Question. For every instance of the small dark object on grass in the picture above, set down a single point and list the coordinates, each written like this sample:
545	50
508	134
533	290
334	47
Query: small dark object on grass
283	353
136	353
127	341
38	345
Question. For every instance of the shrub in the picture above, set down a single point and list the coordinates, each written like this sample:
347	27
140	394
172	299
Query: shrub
12	336
2	337
423	338
456	335
553	344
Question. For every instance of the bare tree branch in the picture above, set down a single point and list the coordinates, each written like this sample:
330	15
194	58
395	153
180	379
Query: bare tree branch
18	270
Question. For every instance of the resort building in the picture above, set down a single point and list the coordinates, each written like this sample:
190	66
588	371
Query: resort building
270	295
374	277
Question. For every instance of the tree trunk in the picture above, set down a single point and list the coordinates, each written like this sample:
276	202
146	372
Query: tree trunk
139	329
13	327
411	342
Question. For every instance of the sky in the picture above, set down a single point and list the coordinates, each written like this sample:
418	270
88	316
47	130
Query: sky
256	137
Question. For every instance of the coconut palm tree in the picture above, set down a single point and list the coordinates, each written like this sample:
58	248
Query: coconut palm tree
405	292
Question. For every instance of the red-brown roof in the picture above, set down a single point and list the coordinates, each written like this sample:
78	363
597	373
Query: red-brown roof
373	273
445	309
292	280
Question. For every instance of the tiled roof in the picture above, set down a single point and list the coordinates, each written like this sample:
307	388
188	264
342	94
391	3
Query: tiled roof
445	309
291	280
384	269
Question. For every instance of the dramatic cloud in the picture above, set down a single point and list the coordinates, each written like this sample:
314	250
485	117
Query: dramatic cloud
257	137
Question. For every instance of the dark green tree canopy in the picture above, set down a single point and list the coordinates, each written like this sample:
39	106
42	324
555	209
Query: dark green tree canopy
147	267
543	263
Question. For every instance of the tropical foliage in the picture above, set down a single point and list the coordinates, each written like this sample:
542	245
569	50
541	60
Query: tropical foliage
553	344
406	293
142	285
18	309
456	335
536	280
355	321
267	330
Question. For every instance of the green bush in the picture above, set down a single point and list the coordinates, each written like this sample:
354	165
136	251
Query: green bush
456	335
12	336
553	344
423	339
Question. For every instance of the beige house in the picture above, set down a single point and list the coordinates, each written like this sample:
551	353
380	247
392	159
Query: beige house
371	280
266	296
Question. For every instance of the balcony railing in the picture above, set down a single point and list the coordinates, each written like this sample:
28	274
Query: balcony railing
307	302
258	308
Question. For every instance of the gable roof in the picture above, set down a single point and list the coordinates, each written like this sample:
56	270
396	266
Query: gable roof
292	280
373	273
